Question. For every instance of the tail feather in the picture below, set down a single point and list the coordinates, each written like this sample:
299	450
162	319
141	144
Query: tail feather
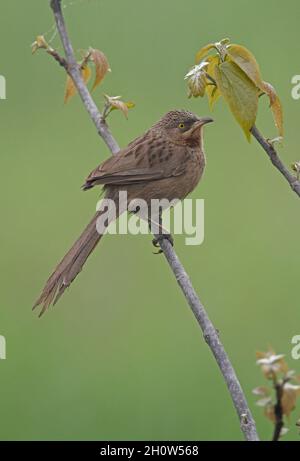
70	266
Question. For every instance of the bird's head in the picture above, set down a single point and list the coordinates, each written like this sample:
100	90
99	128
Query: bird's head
184	127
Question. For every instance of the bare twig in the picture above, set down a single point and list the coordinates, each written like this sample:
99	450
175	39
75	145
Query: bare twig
278	411
278	386
61	61
210	334
273	156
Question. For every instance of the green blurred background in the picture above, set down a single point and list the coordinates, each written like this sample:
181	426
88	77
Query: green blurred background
121	356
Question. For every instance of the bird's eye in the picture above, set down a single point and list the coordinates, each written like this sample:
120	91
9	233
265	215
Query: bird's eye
181	125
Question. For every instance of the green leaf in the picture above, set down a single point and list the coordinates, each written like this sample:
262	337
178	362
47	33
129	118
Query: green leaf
239	92
203	52
212	91
247	62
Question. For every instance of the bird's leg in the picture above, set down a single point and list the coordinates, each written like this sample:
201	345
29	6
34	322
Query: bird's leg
161	234
159	238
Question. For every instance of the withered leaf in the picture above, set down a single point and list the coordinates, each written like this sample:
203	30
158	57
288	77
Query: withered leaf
115	102
270	412
275	106
71	88
289	398
101	65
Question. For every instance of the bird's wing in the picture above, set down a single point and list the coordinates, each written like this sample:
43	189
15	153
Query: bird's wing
145	159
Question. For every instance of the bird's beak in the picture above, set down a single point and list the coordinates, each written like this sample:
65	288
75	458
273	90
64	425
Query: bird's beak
201	122
206	120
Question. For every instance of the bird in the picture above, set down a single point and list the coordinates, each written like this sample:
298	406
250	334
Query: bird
166	162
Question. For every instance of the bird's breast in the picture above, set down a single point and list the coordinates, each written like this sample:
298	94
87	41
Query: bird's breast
194	167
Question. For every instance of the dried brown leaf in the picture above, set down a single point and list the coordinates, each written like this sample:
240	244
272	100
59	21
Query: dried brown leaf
275	106
101	65
288	401
71	88
269	412
114	102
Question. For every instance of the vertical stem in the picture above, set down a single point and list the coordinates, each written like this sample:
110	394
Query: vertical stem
278	410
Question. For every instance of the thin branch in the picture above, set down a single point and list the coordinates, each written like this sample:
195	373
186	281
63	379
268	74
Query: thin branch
273	156
74	72
61	61
278	410
210	334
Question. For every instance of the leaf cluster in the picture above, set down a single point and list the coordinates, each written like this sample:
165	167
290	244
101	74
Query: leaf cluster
279	398
93	59
233	72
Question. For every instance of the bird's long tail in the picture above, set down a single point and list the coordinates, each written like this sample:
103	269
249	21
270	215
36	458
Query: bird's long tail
70	266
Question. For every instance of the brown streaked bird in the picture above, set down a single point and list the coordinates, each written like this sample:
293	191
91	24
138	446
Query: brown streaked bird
165	162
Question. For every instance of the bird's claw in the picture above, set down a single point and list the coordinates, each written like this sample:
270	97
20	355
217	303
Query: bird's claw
158	239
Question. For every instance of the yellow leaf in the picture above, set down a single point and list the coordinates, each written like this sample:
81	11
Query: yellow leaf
212	91
213	94
239	92
212	61
101	66
71	88
275	106
247	62
130	104
203	52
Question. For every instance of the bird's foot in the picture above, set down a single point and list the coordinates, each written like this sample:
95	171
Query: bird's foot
158	239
